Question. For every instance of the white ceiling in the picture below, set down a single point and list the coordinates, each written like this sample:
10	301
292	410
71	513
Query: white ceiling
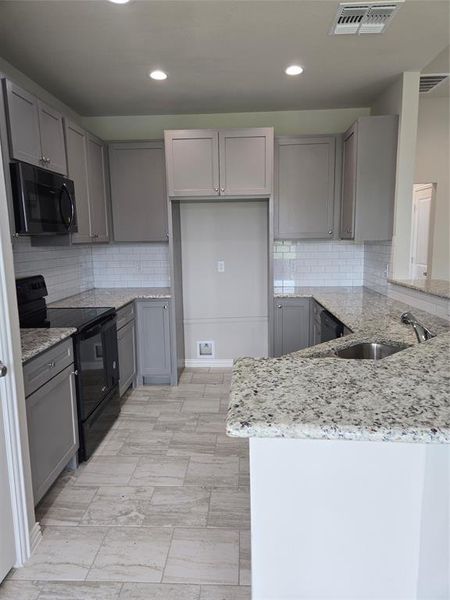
221	56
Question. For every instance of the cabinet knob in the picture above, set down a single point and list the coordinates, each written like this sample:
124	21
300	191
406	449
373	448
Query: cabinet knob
330	232
279	306
165	307
3	370
349	230
51	365
216	189
222	189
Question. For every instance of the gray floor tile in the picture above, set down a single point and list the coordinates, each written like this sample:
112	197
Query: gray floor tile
203	556
230	508
177	507
107	470
81	590
132	554
176	422
213	423
225	592
156	591
141	443
201	405
211	470
186	444
245	558
65	553
118	506
65	507
160	470
20	590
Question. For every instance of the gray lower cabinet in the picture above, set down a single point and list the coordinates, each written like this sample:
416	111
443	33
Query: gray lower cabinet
138	191
51	416
126	342
35	130
304	187
368	179
291	325
153	341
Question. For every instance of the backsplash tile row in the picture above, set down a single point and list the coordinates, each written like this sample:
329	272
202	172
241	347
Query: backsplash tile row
377	259
315	263
67	270
131	265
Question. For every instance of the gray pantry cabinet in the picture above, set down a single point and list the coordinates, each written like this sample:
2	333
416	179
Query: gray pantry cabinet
226	163
368	179
51	414
86	156
36	134
153	341
291	325
126	343
304	187
138	191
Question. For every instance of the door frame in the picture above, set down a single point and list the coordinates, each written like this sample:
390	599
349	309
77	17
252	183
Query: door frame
430	227
27	532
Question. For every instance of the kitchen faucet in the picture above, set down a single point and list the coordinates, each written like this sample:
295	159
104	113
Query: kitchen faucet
423	333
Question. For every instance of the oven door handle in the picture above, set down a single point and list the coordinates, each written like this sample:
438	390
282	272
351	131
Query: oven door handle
97	328
64	190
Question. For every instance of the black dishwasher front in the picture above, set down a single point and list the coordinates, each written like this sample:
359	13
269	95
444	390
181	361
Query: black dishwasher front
330	327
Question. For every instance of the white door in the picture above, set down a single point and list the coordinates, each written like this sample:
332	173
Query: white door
420	238
16	501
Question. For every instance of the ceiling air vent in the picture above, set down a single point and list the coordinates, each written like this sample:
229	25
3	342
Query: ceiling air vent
367	17
430	81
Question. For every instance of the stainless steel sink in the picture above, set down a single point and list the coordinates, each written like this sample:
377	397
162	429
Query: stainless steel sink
368	350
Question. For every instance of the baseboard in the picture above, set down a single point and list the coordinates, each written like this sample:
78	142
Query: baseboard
202	363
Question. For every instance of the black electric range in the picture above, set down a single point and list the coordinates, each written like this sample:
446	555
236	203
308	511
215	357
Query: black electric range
95	356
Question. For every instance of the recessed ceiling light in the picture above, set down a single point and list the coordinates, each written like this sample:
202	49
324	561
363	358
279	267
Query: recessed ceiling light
294	70
119	1
158	75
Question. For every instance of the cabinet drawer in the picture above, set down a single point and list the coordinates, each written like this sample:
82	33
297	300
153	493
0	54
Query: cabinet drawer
125	315
43	368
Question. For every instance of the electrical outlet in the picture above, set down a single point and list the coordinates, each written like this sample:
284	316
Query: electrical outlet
220	266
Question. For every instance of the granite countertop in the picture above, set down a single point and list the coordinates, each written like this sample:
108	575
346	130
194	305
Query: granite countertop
36	341
435	287
312	395
116	297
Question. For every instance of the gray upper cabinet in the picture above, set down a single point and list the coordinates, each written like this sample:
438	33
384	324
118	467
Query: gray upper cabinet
246	162
304	187
192	158
210	162
138	191
153	341
96	167
35	130
52	138
76	144
291	325
368	178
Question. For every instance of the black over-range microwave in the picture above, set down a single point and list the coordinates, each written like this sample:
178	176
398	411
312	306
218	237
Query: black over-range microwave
44	202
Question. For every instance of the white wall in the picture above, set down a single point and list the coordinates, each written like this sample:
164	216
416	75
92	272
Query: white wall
229	308
402	98
432	166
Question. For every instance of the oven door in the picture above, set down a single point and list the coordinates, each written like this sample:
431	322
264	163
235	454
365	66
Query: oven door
44	202
97	365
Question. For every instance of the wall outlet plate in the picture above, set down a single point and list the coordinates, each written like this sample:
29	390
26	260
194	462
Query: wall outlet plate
206	349
220	266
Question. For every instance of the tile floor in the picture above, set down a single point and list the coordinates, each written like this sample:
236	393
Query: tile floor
160	512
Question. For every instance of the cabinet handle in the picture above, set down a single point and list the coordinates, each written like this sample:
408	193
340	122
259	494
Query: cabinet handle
3	370
51	365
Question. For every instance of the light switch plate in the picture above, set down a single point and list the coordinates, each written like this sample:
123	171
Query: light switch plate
220	266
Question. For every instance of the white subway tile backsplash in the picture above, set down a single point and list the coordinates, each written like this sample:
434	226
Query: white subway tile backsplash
324	263
377	259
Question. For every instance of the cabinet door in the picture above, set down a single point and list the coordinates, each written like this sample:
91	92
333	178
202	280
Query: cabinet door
304	189
52	430
153	336
138	191
97	189
52	139
77	170
291	325
126	344
246	162
348	184
23	125
192	158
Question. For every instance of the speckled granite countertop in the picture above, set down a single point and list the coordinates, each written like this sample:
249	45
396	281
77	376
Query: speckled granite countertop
36	341
435	287
311	395
116	297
